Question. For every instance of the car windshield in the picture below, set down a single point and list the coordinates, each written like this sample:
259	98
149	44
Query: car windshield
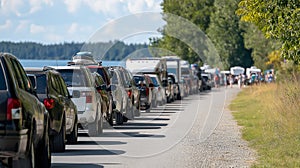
74	78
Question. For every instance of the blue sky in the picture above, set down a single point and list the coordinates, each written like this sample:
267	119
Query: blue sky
58	21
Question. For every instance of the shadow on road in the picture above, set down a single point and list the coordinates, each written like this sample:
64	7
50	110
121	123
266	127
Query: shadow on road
100	143
74	152
74	165
150	119
130	134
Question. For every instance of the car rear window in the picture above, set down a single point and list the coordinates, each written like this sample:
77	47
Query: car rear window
73	77
99	71
41	84
2	79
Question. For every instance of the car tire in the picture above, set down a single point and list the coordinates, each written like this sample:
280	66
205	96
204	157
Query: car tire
154	104
148	110
31	155
110	118
43	151
59	141
179	97
73	137
93	127
119	118
100	125
137	111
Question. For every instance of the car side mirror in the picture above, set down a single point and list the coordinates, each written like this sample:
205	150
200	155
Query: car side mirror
75	94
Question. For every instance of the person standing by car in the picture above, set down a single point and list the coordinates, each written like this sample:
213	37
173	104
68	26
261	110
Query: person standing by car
230	80
240	80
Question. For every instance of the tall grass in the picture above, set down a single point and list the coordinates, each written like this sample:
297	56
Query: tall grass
270	116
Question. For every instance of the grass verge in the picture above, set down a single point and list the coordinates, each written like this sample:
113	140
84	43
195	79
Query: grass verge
270	119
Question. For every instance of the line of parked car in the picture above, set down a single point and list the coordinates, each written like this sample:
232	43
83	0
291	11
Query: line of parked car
41	109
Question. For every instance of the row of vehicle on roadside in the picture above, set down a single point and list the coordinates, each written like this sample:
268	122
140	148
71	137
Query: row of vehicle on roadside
41	109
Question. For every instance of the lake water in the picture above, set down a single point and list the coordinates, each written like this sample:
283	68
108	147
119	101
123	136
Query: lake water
42	63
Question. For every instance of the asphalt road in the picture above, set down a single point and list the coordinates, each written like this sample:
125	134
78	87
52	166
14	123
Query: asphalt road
161	138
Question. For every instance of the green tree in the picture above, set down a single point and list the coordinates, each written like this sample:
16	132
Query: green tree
196	11
226	34
261	46
276	19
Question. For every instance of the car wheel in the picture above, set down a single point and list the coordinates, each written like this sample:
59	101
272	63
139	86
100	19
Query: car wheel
93	127
119	118
154	104
137	111
179	96
73	137
148	110
43	151
109	118
100	125
59	141
31	156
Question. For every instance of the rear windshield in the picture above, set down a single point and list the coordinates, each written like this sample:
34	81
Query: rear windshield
74	77
41	84
99	71
2	79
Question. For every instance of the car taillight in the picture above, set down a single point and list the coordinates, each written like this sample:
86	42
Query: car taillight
88	96
49	103
129	93
13	109
147	91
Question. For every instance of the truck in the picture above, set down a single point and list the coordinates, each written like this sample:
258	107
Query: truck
150	65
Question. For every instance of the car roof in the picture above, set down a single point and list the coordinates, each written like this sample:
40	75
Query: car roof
95	66
40	70
67	67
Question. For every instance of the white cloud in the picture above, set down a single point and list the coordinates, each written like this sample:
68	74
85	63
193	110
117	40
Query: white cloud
136	6
73	28
108	7
54	38
7	25
22	26
113	8
35	29
11	6
72	5
143	5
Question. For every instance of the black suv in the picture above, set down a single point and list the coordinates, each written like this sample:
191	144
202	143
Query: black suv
24	119
52	91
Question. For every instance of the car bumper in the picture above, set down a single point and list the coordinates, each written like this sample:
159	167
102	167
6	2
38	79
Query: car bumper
13	143
86	117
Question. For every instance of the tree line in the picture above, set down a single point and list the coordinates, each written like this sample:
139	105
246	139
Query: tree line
111	51
237	38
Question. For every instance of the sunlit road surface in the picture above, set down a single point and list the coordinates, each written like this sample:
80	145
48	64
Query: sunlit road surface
153	139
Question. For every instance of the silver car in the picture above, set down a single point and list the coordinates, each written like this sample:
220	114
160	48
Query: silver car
89	103
160	92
